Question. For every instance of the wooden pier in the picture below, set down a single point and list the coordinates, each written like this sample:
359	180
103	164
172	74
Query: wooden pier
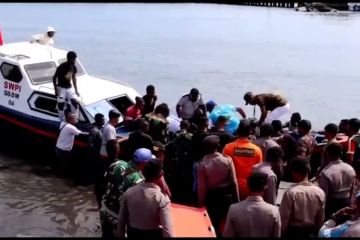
269	4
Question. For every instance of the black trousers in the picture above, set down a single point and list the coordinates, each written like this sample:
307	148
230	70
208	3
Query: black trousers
107	229
332	205
143	234
301	232
99	184
217	202
64	163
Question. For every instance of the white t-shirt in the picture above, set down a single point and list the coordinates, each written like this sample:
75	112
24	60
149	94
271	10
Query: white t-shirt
108	133
44	39
189	107
174	124
66	137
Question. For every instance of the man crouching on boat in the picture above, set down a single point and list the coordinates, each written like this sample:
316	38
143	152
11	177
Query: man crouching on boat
272	106
45	39
64	91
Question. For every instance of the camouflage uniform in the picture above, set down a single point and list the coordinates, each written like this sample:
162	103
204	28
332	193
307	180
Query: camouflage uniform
119	177
306	145
158	127
179	165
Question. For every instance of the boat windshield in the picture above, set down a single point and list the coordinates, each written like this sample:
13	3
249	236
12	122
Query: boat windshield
40	72
102	107
44	72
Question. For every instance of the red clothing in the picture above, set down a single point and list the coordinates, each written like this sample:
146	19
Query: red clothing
244	155
351	146
133	112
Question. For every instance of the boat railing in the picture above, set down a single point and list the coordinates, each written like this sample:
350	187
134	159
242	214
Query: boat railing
46	87
13	57
112	80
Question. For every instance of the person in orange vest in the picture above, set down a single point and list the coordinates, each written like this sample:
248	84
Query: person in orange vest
354	140
244	155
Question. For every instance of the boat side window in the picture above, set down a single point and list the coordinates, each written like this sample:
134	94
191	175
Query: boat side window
80	70
40	72
11	72
46	104
121	103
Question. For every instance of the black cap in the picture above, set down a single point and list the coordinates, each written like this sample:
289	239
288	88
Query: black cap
194	91
211	139
247	97
244	128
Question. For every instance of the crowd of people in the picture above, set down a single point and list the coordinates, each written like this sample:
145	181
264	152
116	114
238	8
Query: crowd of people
234	175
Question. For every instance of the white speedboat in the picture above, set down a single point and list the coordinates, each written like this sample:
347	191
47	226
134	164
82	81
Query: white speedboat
28	101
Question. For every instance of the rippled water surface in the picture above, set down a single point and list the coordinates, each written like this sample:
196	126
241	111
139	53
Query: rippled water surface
34	204
224	50
312	58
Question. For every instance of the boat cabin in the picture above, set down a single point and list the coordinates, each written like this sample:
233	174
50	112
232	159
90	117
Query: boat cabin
27	71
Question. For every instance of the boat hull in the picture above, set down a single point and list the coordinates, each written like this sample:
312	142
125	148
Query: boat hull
34	139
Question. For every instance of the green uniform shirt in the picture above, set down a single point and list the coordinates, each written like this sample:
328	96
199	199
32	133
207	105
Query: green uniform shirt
120	176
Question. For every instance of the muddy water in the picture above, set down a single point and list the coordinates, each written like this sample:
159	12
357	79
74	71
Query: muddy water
35	202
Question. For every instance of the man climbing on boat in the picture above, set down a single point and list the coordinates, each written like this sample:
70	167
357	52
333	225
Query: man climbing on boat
64	91
272	106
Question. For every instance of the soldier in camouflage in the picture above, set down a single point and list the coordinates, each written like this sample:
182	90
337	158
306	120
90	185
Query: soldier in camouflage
179	159
158	123
119	177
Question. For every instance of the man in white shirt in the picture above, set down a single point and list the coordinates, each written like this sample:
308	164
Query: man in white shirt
109	131
65	141
45	39
191	106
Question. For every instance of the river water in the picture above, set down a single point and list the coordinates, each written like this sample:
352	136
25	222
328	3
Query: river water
224	50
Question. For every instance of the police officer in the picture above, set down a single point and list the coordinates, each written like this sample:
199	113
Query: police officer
253	217
273	168
336	180
145	207
217	184
302	206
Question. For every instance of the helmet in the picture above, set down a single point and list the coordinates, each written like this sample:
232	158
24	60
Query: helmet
51	29
142	155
